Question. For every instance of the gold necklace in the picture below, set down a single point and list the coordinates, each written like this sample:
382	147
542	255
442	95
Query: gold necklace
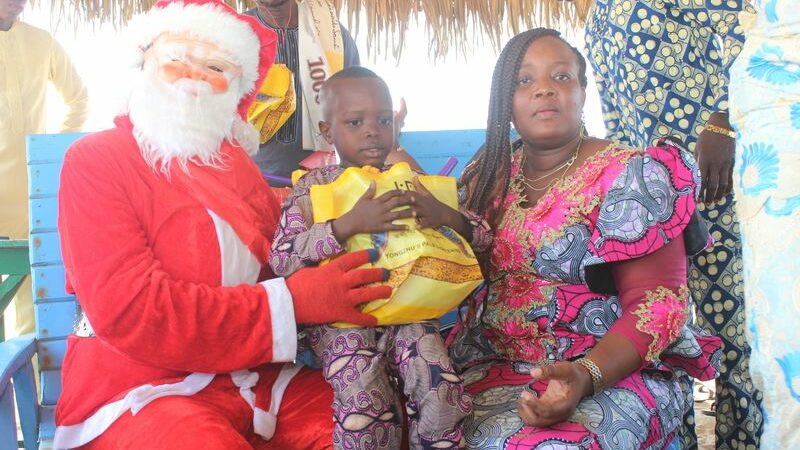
533	188
552	171
565	165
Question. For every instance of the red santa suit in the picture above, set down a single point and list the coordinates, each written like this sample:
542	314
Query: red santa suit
168	290
183	336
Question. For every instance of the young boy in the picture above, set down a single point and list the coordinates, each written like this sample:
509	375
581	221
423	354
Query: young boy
357	111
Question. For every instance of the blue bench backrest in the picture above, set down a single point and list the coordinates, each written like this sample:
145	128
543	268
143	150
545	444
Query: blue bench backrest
432	148
55	309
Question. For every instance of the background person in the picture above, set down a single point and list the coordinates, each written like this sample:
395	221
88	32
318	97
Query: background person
662	70
29	59
765	109
298	137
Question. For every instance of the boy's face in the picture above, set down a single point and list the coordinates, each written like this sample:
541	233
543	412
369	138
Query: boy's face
359	121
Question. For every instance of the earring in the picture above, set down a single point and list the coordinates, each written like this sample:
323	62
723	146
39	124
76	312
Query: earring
582	130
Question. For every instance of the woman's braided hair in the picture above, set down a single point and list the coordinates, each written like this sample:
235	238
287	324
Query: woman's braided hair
486	177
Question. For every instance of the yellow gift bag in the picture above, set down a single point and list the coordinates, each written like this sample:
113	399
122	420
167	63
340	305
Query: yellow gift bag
432	271
275	102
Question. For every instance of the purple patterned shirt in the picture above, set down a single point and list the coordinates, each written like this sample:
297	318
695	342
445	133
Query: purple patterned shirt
299	242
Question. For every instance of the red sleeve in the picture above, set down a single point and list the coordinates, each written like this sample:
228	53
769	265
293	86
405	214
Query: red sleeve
654	298
131	302
266	202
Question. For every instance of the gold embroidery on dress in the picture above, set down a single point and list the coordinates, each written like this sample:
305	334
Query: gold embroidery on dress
646	318
571	189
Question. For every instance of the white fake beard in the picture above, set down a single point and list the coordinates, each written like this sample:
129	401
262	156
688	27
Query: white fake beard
183	121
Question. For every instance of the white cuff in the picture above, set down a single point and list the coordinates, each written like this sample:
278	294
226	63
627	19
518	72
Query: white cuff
284	327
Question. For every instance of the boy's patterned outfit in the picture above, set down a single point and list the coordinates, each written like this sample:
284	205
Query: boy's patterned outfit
358	362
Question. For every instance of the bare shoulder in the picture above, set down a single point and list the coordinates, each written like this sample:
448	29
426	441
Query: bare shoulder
593	145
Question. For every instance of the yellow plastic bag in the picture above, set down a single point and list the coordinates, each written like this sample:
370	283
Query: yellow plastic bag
432	271
275	102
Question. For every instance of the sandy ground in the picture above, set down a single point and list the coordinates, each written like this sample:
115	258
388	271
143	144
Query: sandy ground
705	422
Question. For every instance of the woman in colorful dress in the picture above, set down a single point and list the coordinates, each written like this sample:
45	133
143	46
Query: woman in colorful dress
577	338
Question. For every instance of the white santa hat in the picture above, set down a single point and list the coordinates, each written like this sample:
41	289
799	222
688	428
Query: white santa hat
249	44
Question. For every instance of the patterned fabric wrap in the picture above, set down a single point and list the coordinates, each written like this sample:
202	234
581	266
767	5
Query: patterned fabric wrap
623	203
299	242
661	68
357	363
765	110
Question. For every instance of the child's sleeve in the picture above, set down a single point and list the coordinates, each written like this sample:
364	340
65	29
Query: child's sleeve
299	242
482	235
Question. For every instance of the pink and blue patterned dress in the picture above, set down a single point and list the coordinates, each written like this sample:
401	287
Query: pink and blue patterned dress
543	303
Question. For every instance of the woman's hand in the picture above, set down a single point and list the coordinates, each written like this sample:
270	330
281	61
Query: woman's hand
569	383
431	213
373	215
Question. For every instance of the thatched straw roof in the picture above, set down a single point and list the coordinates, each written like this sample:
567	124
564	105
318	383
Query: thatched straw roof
452	25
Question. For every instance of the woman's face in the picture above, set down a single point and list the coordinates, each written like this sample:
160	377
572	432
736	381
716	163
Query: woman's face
548	100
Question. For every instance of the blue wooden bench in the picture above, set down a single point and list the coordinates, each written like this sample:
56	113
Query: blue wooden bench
55	309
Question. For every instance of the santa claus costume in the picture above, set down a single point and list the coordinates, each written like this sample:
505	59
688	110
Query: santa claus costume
165	224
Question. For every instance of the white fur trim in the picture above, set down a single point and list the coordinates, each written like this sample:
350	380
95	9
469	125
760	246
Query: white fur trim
246	135
264	422
70	436
209	22
284	328
245	381
239	264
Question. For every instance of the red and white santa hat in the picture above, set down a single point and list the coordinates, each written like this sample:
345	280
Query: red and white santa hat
250	44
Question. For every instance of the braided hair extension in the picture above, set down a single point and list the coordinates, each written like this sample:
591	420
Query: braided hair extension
486	177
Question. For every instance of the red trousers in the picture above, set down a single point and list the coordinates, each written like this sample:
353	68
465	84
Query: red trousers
219	418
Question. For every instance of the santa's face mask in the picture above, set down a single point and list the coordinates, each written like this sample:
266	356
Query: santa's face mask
186	61
183	104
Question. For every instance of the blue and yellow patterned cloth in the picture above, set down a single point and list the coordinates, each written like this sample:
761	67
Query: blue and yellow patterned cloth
662	65
765	110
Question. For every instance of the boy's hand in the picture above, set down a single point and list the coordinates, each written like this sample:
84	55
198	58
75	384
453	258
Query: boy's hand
373	215
431	213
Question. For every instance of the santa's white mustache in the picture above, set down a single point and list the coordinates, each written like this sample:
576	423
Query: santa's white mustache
180	121
193	87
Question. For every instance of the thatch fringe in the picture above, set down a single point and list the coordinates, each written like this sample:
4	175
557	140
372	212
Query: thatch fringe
452	25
